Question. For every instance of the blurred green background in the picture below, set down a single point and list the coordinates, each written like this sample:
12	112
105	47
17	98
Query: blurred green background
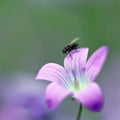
34	32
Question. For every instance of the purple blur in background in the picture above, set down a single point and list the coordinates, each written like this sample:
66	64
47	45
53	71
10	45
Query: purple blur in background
23	99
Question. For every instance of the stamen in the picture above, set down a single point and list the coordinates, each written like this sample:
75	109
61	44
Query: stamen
77	87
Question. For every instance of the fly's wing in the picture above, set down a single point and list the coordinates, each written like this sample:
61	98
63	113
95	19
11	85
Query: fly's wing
74	40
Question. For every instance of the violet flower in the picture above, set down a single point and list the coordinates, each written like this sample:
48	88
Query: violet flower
76	79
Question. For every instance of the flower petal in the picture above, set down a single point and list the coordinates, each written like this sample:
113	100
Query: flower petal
52	72
55	94
90	97
75	61
95	62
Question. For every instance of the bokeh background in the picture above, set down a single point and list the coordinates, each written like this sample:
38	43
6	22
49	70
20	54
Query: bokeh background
33	33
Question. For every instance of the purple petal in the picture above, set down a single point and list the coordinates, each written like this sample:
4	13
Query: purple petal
55	94
95	62
76	60
52	72
90	97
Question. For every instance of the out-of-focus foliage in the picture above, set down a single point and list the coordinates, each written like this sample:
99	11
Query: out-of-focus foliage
33	32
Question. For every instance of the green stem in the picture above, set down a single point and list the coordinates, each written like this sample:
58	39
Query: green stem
79	112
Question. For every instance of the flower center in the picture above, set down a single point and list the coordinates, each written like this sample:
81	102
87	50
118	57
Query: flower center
77	82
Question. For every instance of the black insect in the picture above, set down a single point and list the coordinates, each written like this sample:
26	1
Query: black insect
70	46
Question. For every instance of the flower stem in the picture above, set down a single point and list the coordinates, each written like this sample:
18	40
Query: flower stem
79	112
